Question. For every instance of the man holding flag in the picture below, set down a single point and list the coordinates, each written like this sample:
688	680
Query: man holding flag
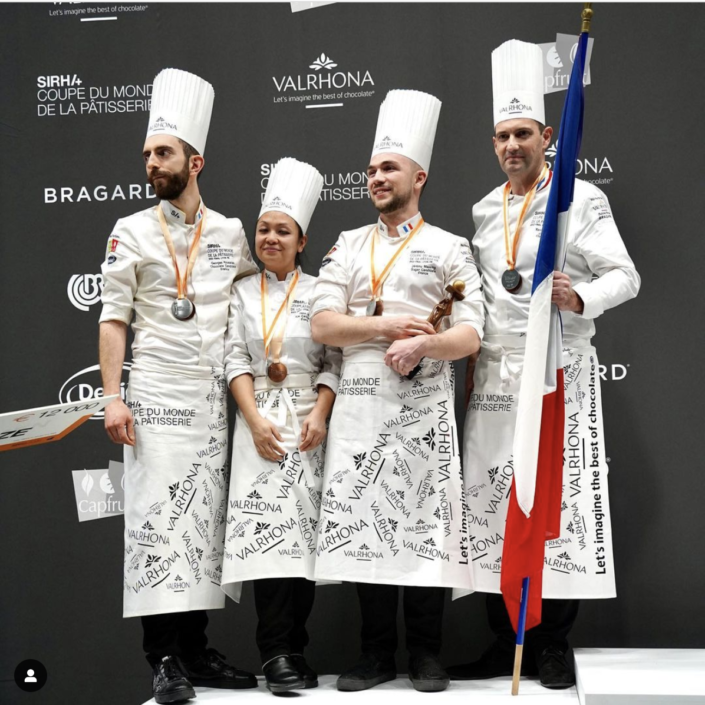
515	502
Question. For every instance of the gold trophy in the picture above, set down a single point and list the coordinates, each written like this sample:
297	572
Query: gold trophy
442	309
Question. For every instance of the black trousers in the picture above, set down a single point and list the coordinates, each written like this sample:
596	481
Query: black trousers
181	634
283	606
423	616
557	619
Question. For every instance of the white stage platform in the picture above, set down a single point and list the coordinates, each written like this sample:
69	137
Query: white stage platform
604	677
399	692
640	676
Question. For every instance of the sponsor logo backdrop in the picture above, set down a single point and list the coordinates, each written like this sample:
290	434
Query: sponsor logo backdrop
74	111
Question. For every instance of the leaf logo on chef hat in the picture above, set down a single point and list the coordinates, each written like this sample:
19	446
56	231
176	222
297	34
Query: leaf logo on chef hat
429	439
173	489
564	506
430	542
254	495
570	528
147	526
432	491
199	553
405	409
564	556
359	459
364	547
87	483
400	494
330	493
322	62
437	513
331	525
314	524
492	473
393	524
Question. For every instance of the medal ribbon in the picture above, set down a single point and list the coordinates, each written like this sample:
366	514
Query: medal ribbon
268	332
511	250
377	282
182	283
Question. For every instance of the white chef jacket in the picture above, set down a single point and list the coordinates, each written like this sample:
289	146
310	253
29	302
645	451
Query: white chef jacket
413	286
245	340
597	262
138	274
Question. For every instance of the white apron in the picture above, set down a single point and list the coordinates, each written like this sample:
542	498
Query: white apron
579	564
273	507
176	480
392	508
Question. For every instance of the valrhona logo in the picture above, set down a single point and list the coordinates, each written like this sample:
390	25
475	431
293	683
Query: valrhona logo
277	202
160	124
387	143
515	106
323	78
594	170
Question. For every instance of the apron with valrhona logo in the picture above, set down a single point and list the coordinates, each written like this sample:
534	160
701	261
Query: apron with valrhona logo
579	564
176	479
392	507
273	507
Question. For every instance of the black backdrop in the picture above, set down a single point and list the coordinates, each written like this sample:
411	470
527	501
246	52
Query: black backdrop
60	592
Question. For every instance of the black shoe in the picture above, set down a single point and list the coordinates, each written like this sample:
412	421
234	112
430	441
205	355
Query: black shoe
368	672
169	682
427	674
282	675
209	670
556	668
309	675
497	660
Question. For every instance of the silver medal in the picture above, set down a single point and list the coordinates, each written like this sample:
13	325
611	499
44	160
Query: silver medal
371	308
183	309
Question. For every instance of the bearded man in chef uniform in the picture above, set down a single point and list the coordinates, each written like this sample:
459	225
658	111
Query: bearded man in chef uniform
169	271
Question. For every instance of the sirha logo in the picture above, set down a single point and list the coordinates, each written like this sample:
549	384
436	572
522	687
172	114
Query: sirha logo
323	78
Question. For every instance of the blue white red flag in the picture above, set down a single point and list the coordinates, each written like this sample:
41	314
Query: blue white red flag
534	510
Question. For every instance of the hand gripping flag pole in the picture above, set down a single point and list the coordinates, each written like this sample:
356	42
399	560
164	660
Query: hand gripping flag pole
534	510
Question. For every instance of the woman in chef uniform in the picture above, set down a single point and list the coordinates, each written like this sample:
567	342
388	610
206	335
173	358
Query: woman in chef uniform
284	385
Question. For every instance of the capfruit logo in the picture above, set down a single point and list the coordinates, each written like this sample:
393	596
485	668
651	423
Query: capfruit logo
87	384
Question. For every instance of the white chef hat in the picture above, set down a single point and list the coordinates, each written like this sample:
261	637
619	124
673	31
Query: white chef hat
294	188
182	104
407	125
517	81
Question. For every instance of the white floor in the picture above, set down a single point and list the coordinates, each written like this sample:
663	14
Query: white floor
605	677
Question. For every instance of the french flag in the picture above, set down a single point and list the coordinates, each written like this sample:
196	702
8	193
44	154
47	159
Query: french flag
534	511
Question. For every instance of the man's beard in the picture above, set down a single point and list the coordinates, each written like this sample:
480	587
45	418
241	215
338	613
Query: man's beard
172	186
398	202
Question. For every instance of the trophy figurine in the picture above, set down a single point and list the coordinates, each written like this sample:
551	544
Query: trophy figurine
442	309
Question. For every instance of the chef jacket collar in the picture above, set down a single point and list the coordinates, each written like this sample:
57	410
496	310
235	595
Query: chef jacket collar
272	277
175	216
402	230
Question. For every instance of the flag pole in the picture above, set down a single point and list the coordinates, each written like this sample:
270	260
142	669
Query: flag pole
586	17
521	628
